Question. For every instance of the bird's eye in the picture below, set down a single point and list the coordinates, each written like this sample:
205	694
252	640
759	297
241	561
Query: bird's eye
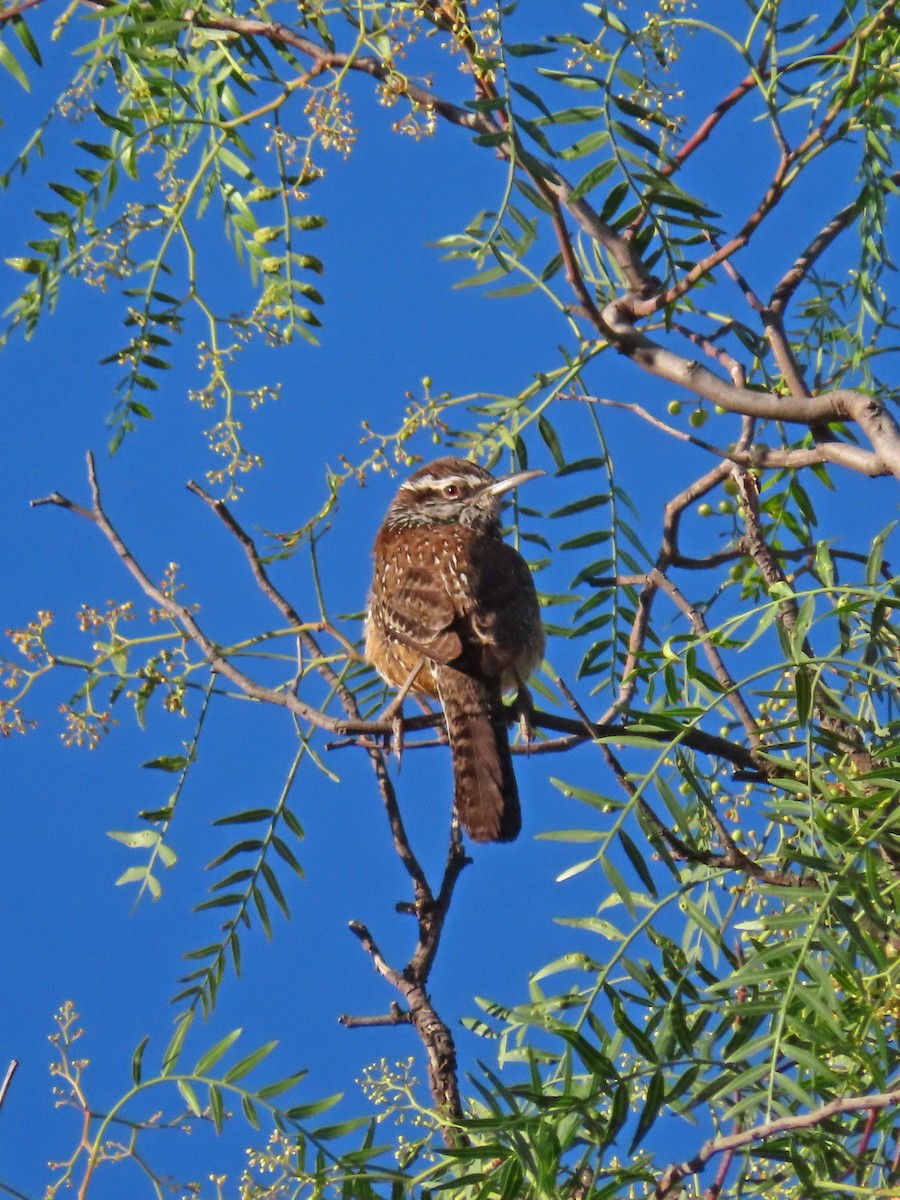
452	491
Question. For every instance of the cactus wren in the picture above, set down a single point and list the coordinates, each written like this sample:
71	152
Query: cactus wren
453	614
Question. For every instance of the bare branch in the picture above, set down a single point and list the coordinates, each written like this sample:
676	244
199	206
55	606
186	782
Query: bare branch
381	964
395	1017
842	404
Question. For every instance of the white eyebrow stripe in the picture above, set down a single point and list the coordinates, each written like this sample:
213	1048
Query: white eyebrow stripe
432	484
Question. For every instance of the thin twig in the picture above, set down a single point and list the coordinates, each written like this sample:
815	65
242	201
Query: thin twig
723	677
395	1017
792	279
7	1079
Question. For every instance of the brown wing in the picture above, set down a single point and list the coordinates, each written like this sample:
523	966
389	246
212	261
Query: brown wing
504	625
422	615
416	606
461	598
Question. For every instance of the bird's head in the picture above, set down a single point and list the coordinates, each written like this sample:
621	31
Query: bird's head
453	491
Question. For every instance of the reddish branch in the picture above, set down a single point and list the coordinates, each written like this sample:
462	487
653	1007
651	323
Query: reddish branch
16	10
750	81
670	1181
790	162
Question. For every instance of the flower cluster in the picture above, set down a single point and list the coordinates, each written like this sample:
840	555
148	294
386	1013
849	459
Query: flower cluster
30	641
90	618
85	728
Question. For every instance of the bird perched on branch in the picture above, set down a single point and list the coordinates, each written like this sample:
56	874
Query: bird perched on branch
453	614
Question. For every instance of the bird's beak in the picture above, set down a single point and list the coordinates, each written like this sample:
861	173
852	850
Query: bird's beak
507	482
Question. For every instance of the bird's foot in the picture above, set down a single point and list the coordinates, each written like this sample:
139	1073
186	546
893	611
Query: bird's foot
523	706
394	711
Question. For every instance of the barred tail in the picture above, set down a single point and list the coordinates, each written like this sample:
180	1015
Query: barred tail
485	792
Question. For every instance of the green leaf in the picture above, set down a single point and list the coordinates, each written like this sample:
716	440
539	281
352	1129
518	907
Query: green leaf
73	195
594	178
280	1086
594	538
583	505
217	1107
302	1112
327	1133
113	121
656	1092
189	1097
275	888
611	871
801	627
137	1060
284	851
29	266
247	817
173	1050
500	138
613	201
638	861
23	33
586	145
532	96
206	1063
169	762
143	876
9	61
581	464
527	49
246	1065
876	556
825	564
551	440
250	1114
248	845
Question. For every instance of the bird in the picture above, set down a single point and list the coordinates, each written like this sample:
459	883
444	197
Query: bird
453	614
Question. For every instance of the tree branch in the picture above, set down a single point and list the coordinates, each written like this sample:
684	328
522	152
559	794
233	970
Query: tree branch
842	404
16	10
670	1181
792	279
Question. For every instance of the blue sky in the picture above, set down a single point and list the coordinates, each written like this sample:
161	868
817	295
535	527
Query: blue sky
391	317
